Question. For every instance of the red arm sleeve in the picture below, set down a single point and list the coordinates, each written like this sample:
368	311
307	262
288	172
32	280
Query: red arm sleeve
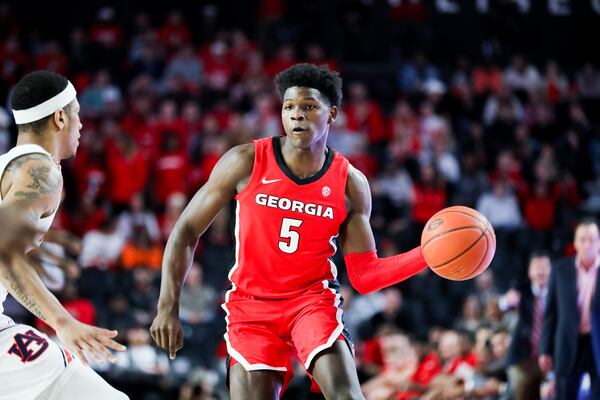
369	273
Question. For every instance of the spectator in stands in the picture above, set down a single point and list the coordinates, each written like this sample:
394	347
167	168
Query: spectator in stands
472	184
198	301
364	115
400	363
118	316
429	196
198	312
101	248
588	82
398	312
96	97
127	170
455	368
487	79
556	84
522	76
138	215
141	251
186	66
174	33
170	168
529	299
142	366
472	315
415	72
504	106
263	119
218	67
140	296
173	209
500	206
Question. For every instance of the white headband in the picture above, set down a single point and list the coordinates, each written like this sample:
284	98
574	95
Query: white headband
46	108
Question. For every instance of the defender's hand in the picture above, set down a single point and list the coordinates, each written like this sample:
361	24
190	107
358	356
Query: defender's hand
79	337
166	332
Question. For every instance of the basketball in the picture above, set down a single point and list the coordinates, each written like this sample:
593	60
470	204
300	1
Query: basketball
458	243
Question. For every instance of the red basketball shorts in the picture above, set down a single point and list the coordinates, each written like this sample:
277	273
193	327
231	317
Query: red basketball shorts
264	334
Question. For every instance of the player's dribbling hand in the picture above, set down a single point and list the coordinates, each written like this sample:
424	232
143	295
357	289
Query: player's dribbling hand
166	332
79	337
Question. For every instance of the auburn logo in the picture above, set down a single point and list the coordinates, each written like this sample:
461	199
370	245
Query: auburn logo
28	346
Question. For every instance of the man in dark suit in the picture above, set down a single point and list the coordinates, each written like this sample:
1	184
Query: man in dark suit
524	374
571	334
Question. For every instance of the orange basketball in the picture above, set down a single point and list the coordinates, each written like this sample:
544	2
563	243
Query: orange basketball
458	243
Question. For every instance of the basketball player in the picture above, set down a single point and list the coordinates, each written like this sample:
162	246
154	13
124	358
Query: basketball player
294	195
31	365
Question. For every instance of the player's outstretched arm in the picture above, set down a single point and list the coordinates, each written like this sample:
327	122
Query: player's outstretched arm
36	189
366	271
233	168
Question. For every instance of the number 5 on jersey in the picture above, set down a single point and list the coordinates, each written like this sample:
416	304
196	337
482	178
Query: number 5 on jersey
290	245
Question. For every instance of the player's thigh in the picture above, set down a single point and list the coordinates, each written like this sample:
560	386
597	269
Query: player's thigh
29	362
334	371
81	382
254	385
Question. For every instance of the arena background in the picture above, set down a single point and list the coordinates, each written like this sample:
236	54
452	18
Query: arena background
490	104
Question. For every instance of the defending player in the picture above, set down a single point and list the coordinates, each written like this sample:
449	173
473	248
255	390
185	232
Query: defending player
32	366
294	195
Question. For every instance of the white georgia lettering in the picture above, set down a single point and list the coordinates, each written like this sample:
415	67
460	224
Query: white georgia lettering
284	203
261	199
272	202
296	206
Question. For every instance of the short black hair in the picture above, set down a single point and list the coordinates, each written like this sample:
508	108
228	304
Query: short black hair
587	221
538	254
33	89
328	82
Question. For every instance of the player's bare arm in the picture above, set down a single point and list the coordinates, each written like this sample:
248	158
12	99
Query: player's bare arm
356	233
366	271
34	182
229	176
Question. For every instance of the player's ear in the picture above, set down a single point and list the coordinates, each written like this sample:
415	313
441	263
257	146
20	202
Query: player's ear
59	119
333	110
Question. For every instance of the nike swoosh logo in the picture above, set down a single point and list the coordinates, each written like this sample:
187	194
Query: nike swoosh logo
266	182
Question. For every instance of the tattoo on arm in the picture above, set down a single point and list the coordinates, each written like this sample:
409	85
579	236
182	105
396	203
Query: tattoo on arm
17	163
43	181
29	303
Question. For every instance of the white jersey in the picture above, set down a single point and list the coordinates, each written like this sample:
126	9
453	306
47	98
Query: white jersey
42	225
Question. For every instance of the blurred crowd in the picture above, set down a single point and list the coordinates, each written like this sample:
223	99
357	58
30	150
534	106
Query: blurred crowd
162	99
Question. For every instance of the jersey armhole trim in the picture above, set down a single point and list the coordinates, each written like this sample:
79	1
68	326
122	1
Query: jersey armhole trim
344	170
254	172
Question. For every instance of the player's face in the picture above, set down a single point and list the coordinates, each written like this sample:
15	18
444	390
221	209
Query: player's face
71	130
306	115
587	242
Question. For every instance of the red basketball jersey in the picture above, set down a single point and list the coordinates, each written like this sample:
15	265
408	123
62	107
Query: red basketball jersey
285	226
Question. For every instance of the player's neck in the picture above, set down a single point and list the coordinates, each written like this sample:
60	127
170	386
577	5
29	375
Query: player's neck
304	162
47	142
